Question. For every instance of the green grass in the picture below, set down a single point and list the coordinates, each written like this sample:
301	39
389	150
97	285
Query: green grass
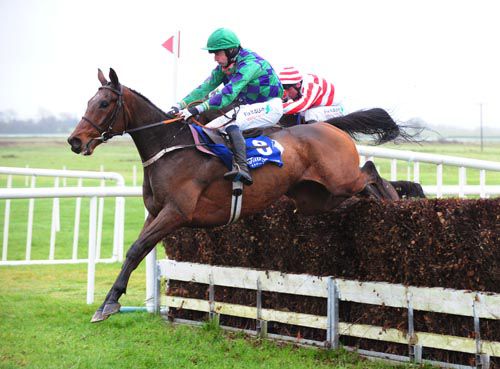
44	323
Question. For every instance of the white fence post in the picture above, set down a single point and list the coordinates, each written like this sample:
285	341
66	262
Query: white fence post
416	172
482	183
439	180
462	181
92	250
394	170
151	277
6	222
100	216
55	221
76	226
29	231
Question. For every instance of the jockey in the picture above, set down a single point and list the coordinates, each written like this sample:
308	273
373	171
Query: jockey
309	95
250	81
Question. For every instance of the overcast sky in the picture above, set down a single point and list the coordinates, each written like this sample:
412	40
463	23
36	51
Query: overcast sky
436	60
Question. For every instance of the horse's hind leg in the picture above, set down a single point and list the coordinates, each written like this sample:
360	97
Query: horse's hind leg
376	185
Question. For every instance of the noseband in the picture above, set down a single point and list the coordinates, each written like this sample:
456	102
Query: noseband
106	134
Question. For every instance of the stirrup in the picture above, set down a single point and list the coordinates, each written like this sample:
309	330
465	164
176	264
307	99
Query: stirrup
237	175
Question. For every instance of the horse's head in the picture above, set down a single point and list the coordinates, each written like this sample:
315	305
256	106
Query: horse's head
103	118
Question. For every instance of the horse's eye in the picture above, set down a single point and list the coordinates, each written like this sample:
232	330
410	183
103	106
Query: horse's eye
103	104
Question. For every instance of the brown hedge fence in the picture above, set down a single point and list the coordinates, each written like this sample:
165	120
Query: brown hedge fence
450	243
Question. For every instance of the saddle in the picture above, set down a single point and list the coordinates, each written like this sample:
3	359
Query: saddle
219	137
260	148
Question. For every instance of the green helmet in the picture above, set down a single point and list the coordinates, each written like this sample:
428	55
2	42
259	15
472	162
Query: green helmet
222	39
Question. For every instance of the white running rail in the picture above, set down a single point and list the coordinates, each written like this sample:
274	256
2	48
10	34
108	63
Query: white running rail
55	225
439	189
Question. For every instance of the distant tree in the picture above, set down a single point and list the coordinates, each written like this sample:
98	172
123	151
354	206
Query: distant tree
416	122
45	123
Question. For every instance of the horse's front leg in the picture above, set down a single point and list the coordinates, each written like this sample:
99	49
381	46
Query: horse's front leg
154	230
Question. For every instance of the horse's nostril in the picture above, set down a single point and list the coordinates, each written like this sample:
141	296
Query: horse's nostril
76	144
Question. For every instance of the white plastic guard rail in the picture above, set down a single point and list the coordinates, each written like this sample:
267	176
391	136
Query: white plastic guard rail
93	193
58	192
428	158
462	189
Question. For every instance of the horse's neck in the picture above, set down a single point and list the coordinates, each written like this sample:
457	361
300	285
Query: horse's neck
150	141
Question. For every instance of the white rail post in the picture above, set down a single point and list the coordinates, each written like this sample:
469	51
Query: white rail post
76	226
57	207
416	172
100	216
482	183
394	169
29	230
151	278
462	181
6	222
55	221
119	228
414	349
332	332
92	248
439	181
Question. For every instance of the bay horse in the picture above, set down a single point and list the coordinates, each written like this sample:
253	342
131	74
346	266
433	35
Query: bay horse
185	188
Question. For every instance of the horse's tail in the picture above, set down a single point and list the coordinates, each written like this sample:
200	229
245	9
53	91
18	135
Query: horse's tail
373	122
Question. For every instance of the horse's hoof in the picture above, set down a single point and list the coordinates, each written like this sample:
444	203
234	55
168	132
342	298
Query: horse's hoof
98	317
110	309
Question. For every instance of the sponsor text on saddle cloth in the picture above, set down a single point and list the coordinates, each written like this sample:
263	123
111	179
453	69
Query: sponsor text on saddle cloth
260	150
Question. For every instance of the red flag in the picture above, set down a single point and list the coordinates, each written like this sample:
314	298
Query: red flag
169	44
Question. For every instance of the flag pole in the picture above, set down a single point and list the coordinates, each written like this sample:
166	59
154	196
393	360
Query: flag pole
176	65
171	46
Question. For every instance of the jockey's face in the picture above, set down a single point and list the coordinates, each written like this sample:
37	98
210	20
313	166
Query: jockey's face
293	91
221	58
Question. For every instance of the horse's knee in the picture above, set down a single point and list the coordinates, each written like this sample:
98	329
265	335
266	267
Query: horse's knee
133	252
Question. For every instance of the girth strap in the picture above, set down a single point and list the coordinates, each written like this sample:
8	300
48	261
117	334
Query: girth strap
163	152
236	201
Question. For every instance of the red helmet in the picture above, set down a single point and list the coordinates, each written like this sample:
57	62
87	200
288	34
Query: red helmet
290	76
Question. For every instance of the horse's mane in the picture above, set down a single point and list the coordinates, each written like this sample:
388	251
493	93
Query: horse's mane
147	100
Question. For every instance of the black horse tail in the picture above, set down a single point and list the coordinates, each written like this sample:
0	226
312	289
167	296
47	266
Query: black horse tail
373	122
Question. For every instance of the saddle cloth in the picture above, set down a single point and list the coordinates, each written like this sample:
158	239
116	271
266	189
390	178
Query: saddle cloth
260	149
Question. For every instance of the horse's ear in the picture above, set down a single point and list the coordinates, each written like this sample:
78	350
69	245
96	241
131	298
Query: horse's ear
101	77
114	78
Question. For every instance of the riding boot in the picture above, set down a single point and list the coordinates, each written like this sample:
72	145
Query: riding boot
240	170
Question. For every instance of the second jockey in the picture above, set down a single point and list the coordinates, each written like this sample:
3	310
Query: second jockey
308	95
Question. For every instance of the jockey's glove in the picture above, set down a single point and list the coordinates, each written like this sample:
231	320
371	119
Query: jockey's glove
189	112
174	110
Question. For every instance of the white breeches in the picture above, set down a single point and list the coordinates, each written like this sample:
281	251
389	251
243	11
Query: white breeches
322	113
258	115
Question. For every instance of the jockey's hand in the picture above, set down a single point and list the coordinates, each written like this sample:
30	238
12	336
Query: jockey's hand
174	110
188	112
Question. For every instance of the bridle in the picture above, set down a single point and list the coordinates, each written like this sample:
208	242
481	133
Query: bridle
108	133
